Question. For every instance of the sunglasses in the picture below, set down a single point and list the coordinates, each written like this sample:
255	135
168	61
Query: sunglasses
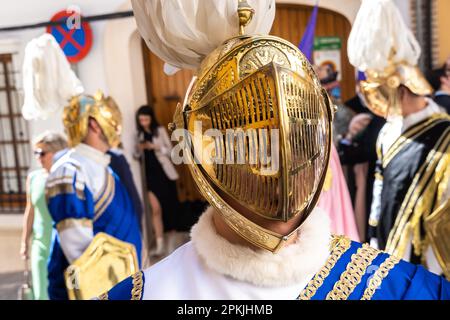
39	153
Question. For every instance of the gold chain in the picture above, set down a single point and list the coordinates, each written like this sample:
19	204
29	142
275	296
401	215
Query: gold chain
339	245
379	276
353	274
136	292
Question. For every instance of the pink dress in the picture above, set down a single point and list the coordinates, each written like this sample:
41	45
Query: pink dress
335	200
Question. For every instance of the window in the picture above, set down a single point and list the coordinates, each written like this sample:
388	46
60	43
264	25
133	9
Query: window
425	28
14	141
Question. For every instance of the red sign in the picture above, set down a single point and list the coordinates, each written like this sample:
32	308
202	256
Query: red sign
74	39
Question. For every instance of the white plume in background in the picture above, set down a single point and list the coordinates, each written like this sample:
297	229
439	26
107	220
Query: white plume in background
48	80
184	32
379	28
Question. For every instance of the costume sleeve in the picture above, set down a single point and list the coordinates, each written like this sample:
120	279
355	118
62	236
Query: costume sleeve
121	167
71	206
375	209
166	148
131	288
427	286
137	154
406	281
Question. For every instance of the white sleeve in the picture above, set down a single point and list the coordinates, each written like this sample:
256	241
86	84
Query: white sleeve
75	235
432	263
166	148
375	209
374	243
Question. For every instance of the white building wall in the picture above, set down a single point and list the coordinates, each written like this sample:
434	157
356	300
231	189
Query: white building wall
91	69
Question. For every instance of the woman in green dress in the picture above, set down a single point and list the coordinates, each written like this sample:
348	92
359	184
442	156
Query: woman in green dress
37	224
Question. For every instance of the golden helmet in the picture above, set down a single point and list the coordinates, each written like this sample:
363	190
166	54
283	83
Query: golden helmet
380	89
269	122
384	47
103	109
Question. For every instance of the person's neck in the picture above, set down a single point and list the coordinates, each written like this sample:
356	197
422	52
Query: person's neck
227	233
97	144
230	235
414	106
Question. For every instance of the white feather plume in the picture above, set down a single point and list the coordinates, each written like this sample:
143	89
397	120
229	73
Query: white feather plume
48	80
184	32
379	28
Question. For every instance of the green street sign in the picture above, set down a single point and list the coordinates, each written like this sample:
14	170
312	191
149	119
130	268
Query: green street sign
327	43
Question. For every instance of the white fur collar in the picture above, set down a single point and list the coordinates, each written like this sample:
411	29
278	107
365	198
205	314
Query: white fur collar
293	264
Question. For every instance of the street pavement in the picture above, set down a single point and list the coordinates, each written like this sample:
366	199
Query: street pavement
9	285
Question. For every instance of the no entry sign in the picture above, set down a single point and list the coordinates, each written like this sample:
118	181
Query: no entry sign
75	40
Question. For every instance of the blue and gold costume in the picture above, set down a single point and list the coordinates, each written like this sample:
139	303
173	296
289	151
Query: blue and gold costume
352	272
85	197
359	272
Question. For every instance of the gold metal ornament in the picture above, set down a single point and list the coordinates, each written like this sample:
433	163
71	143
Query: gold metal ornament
245	14
103	109
255	87
106	262
380	89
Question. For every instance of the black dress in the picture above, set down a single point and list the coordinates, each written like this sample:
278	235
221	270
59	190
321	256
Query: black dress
164	189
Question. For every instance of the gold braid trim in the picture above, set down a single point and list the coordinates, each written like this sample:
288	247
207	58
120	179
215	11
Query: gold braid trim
105	201
379	276
418	202
353	274
410	134
338	245
138	283
72	222
64	189
103	296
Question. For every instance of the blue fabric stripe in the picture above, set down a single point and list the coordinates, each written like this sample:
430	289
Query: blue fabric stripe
64	206
105	187
122	291
336	272
370	271
393	286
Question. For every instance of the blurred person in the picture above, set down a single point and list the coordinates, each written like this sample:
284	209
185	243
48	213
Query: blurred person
119	164
37	224
410	146
440	81
85	197
154	149
328	78
95	228
357	152
335	200
412	191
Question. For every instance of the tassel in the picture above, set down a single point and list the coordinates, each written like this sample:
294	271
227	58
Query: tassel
183	32
380	37
48	80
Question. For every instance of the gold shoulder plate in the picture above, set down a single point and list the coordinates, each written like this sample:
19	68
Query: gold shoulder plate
106	262
437	226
